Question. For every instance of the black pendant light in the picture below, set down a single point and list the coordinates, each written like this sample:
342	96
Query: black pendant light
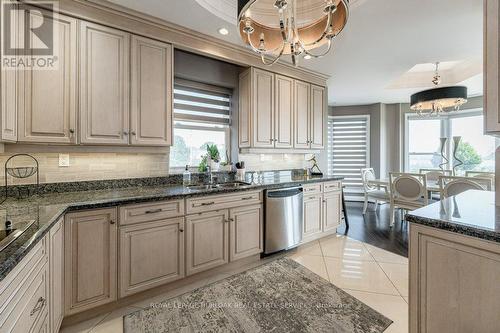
440	99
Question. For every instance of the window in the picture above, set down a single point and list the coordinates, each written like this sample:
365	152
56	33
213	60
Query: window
476	150
202	115
348	149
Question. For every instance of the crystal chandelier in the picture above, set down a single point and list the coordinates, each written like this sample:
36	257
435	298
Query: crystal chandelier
273	28
440	99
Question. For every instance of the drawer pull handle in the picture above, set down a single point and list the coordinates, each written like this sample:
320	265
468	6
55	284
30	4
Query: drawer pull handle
207	203
111	222
38	306
247	198
153	211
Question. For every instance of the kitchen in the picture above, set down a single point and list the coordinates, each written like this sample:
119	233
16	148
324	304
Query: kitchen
159	164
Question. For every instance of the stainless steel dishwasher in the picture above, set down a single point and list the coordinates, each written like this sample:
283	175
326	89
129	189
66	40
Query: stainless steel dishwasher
284	219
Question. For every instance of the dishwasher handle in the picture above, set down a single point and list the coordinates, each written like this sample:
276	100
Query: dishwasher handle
283	193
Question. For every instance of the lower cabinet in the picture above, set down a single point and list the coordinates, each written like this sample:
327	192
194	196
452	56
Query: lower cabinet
56	273
312	216
332	208
207	241
151	254
245	232
90	245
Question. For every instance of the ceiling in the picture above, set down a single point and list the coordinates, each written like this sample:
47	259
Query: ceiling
382	44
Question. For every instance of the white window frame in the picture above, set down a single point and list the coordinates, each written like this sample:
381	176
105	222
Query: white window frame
368	143
445	131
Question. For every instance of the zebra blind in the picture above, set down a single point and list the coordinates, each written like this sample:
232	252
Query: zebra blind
201	103
349	150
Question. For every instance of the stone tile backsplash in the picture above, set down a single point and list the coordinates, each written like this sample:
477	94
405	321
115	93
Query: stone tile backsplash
261	162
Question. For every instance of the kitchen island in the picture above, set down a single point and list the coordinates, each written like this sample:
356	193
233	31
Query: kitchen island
454	256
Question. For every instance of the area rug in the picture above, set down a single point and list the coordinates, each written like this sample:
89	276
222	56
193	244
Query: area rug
280	296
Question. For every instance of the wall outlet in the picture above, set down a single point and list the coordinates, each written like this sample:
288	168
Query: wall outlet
64	160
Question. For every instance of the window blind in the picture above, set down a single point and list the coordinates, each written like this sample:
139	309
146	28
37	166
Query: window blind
201	103
349	150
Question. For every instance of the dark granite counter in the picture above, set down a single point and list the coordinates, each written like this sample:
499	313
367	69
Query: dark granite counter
48	208
472	213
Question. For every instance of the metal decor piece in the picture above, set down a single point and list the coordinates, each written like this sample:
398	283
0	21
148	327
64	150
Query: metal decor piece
443	155
459	162
273	28
22	173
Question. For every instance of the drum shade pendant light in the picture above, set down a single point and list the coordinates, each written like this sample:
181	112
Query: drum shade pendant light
273	28
440	99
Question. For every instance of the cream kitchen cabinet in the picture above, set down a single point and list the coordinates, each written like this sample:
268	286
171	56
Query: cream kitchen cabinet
151	254
492	66
278	112
90	246
245	231
322	209
312	227
104	85
151	93
47	98
283	120
56	274
207	240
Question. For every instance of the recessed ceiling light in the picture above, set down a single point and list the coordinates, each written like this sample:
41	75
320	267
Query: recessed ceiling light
223	31
307	57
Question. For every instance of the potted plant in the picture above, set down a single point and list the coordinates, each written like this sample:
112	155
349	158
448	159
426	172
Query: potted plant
213	156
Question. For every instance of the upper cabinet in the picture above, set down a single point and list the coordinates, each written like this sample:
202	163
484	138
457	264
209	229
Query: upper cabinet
104	86
47	98
279	112
151	93
492	66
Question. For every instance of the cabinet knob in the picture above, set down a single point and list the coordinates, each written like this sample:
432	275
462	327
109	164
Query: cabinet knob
133	132
111	222
71	130
181	230
125	133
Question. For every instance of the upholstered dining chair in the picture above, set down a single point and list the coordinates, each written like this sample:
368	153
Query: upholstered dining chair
452	185
408	192
433	175
371	191
482	174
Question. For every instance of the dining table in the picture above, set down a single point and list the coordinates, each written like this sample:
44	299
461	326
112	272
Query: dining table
432	185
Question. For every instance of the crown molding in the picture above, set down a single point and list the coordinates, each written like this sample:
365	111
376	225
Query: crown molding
119	17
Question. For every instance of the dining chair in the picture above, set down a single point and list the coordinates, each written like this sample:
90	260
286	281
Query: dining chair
482	174
453	185
433	176
371	191
408	192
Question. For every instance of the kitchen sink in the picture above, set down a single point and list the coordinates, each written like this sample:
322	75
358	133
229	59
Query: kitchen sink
201	187
205	187
233	184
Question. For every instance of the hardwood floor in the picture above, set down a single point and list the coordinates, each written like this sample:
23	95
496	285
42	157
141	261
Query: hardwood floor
373	228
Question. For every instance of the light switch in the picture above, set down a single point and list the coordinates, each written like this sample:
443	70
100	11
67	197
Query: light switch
64	160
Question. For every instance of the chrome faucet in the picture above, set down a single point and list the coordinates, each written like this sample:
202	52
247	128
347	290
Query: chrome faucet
210	173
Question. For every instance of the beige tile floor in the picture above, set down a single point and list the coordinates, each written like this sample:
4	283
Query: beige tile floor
376	277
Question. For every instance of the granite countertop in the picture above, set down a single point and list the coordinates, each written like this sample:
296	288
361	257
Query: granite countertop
472	213
47	209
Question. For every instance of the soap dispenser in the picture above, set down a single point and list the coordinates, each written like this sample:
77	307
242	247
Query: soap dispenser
186	176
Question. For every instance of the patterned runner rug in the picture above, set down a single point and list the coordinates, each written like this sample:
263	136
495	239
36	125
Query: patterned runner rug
280	296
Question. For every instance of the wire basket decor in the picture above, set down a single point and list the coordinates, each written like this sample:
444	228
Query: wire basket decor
22	172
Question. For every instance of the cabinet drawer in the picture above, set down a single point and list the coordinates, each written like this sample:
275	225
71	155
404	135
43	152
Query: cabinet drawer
332	186
215	202
313	188
151	211
27	309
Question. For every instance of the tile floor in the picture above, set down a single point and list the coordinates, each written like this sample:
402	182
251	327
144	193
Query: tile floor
376	277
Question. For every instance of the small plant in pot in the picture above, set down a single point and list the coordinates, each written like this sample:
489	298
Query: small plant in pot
213	156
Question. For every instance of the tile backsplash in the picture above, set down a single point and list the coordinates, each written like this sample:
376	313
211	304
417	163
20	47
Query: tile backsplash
260	162
92	166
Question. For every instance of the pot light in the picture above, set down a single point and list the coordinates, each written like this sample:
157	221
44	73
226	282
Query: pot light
223	31
307	57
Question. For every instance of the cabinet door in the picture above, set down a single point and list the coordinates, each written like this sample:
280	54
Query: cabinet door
152	78
245	232
47	108
492	66
90	259
318	109
312	216
283	120
56	276
151	254
206	241
263	109
244	111
302	107
332	206
104	88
